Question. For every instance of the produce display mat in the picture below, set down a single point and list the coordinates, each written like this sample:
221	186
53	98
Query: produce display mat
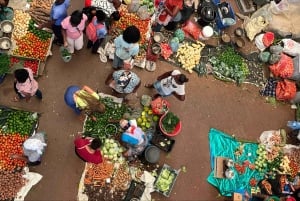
224	145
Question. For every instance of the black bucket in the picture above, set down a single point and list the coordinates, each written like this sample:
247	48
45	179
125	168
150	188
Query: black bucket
152	154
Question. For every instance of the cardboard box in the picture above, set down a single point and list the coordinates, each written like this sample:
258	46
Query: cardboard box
237	197
219	169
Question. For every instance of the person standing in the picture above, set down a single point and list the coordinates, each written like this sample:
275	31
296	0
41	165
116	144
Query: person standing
101	31
72	30
170	83
88	149
25	85
58	14
126	47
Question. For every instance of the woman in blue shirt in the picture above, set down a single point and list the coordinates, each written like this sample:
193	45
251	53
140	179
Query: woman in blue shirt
58	13
126	47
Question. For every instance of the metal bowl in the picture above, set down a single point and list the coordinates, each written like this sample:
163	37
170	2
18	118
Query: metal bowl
156	49
7	26
158	37
152	154
5	43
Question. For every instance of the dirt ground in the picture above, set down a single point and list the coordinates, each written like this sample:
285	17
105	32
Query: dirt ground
209	104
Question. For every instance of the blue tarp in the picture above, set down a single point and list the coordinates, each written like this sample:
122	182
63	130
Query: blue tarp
224	145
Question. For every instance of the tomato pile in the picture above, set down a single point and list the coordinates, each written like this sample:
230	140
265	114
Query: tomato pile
32	46
11	145
30	63
128	19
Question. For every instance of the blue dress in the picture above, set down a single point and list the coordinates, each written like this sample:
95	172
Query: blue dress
69	97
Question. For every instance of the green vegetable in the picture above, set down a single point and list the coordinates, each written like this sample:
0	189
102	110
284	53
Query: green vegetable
169	122
231	65
43	35
4	64
165	180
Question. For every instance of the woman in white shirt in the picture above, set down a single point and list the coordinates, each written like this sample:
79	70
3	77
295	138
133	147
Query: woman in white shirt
170	83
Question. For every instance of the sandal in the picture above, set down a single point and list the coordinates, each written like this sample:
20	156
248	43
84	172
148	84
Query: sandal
148	85
16	99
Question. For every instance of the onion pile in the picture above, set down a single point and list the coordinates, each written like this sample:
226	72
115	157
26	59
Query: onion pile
10	183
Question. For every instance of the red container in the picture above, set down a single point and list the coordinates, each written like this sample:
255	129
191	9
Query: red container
175	132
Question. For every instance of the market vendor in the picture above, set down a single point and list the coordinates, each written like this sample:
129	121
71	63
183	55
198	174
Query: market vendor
170	83
83	100
4	3
33	149
134	138
169	11
88	149
123	81
110	7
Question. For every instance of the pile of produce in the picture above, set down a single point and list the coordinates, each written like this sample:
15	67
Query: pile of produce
149	4
229	64
165	180
4	63
18	121
121	178
96	174
98	128
188	55
112	150
10	184
11	145
26	63
128	19
30	42
169	122
40	11
147	119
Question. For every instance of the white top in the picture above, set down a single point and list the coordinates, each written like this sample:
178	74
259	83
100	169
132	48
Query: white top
169	85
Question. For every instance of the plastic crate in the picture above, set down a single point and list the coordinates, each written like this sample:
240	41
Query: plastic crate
135	190
173	171
162	141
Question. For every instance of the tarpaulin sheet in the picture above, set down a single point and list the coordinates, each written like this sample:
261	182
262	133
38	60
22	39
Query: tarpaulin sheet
224	145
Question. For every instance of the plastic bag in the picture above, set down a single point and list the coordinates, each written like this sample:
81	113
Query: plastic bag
133	6
160	106
295	125
274	58
296	73
291	47
285	90
259	42
65	55
268	38
264	56
276	49
192	29
143	12
283	5
284	68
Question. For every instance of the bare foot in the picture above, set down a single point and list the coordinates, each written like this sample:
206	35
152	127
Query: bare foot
16	99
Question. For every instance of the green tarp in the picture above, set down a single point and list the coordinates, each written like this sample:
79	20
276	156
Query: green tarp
224	145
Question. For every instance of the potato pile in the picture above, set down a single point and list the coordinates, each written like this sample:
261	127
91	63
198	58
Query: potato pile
121	178
40	11
10	184
21	20
188	55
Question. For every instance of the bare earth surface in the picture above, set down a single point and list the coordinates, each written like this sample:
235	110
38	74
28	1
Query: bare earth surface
209	104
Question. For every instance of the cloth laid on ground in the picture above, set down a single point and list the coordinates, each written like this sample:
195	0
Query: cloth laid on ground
270	88
149	183
224	145
285	21
33	178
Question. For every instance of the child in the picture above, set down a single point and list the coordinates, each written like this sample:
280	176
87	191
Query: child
25	85
126	47
101	31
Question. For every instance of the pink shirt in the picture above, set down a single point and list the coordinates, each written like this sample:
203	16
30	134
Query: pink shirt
73	32
81	150
29	86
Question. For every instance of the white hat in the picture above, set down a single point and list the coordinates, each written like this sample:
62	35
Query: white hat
175	72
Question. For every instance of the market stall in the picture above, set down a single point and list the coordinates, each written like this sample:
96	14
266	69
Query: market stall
26	44
15	127
241	167
123	178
